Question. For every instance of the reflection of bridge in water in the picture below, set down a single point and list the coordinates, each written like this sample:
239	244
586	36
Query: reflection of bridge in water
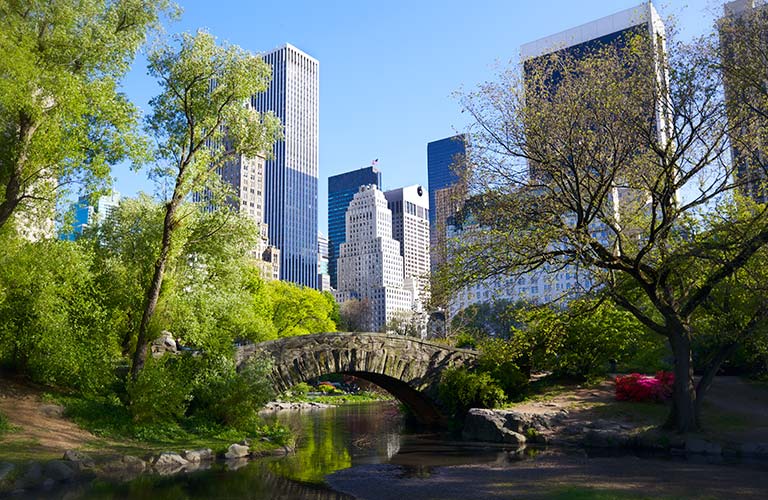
406	367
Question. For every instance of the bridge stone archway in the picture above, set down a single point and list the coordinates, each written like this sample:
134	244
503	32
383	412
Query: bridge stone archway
406	367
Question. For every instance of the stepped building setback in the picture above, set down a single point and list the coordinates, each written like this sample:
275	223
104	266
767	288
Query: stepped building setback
341	189
370	265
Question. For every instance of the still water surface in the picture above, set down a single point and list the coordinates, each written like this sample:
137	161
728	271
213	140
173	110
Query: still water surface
328	441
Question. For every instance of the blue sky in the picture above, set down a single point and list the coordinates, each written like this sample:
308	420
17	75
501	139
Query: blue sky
389	70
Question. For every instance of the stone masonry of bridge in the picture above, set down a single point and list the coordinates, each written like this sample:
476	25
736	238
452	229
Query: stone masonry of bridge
406	367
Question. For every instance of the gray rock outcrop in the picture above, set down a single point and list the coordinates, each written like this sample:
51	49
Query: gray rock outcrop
59	470
510	426
165	343
236	451
489	425
169	460
6	471
31	478
82	461
197	456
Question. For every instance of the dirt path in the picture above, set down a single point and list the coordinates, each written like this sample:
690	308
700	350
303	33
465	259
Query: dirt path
41	430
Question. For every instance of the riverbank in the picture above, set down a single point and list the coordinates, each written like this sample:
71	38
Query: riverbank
735	421
43	445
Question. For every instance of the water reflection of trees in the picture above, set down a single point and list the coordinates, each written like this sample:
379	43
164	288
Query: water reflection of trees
336	438
254	481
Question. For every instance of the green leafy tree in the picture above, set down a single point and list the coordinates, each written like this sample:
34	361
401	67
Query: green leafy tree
299	310
62	116
124	248
200	120
552	157
52	325
213	293
495	319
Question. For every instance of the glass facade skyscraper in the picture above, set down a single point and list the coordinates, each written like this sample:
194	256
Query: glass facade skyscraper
441	156
743	35
341	190
291	176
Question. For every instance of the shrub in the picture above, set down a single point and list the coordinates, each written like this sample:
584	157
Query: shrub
500	360
466	341
642	388
461	390
234	398
160	394
52	326
5	426
301	389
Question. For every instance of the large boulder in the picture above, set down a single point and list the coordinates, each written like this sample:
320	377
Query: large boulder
197	456
607	438
236	451
489	425
123	467
169	460
60	470
522	421
6	473
80	459
165	343
31	478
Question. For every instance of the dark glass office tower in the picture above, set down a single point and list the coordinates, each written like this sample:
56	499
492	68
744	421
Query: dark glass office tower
614	30
744	35
341	190
291	176
441	156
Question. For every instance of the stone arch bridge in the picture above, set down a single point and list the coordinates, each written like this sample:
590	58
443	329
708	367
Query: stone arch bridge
406	367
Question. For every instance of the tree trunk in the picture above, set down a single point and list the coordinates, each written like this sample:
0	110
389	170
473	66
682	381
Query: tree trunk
153	292
13	190
683	418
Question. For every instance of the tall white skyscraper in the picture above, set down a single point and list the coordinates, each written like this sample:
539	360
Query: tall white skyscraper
290	205
370	266
410	226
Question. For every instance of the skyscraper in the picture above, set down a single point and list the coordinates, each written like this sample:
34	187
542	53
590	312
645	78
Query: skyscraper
290	206
341	189
246	176
324	280
410	226
441	176
744	35
370	266
86	214
551	283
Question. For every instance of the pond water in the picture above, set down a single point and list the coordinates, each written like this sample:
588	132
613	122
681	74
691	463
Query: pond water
367	449
328	440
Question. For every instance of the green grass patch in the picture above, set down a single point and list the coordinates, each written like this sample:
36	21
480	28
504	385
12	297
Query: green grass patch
110	420
714	419
547	388
5	425
631	411
336	399
20	451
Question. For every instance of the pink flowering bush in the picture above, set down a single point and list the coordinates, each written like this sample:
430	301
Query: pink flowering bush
637	387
